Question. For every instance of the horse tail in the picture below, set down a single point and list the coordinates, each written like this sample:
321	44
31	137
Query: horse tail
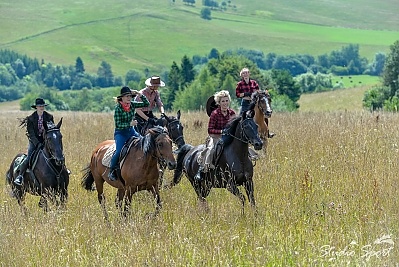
87	179
182	152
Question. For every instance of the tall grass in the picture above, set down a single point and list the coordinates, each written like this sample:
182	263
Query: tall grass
326	193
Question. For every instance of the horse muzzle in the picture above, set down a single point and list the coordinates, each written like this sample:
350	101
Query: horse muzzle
258	145
268	114
172	165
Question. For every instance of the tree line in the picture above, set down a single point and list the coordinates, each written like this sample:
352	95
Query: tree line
189	83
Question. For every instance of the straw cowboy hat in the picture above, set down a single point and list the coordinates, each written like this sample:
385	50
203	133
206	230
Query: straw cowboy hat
154	81
39	102
211	105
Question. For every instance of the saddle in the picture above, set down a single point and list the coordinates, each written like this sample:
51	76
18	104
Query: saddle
106	161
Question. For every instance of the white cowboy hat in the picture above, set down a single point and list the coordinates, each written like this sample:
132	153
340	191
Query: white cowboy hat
154	81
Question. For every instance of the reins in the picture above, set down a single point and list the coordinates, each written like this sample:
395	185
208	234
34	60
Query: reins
242	132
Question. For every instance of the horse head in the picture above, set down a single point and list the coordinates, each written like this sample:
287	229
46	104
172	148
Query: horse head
53	142
263	101
163	144
175	129
249	130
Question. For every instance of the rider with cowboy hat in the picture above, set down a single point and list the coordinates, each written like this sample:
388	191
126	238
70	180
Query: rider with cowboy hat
34	131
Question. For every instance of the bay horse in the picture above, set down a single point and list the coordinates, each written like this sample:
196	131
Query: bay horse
233	166
48	176
261	104
138	169
175	131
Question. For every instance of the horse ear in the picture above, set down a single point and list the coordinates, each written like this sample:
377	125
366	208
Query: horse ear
59	124
178	114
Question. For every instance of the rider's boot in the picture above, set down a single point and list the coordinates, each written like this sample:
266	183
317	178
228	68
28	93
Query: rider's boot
22	169
112	174
269	133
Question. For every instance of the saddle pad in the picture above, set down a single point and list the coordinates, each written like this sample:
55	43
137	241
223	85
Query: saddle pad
108	155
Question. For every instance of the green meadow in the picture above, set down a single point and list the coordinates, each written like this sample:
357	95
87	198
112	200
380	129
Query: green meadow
152	34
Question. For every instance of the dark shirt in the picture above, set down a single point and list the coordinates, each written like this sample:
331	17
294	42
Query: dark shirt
32	126
217	121
243	87
122	118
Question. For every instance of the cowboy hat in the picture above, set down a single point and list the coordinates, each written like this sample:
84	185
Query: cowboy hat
39	102
154	81
211	105
125	90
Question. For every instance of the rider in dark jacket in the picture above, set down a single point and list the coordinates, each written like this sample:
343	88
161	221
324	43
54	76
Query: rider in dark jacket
34	130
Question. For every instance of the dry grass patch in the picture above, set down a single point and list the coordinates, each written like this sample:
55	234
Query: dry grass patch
326	192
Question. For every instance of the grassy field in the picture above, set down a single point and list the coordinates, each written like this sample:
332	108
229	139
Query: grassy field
152	34
325	190
347	99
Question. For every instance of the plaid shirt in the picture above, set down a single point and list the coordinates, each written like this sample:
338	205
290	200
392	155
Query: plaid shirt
243	87
122	118
153	97
217	121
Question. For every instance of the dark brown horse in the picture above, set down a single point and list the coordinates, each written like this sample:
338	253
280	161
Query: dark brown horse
48	176
139	168
233	168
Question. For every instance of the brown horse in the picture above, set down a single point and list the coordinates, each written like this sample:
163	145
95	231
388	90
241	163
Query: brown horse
233	168
48	176
261	103
175	131
138	168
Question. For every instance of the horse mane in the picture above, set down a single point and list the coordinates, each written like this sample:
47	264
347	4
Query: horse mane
232	125
148	141
23	122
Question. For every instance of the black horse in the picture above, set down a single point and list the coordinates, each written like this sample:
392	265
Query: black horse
172	123
48	176
233	168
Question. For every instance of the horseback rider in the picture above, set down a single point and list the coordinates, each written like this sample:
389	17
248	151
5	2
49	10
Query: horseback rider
34	131
145	115
123	118
218	119
244	89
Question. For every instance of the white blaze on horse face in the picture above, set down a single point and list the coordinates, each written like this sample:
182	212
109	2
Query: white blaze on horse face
268	109
54	136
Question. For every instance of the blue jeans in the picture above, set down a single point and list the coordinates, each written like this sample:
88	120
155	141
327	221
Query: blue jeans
244	106
121	136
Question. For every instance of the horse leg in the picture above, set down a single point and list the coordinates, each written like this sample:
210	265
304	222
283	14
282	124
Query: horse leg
155	193
232	188
120	194
249	189
101	198
43	203
128	202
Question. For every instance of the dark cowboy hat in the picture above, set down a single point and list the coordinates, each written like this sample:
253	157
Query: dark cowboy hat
211	105
39	102
154	81
125	90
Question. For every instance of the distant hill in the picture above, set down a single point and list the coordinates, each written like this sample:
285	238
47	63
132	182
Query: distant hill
153	33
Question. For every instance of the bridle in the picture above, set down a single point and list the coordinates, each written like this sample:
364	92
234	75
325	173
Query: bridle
265	111
244	123
168	126
49	160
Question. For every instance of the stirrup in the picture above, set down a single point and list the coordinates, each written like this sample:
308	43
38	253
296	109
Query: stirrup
18	180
